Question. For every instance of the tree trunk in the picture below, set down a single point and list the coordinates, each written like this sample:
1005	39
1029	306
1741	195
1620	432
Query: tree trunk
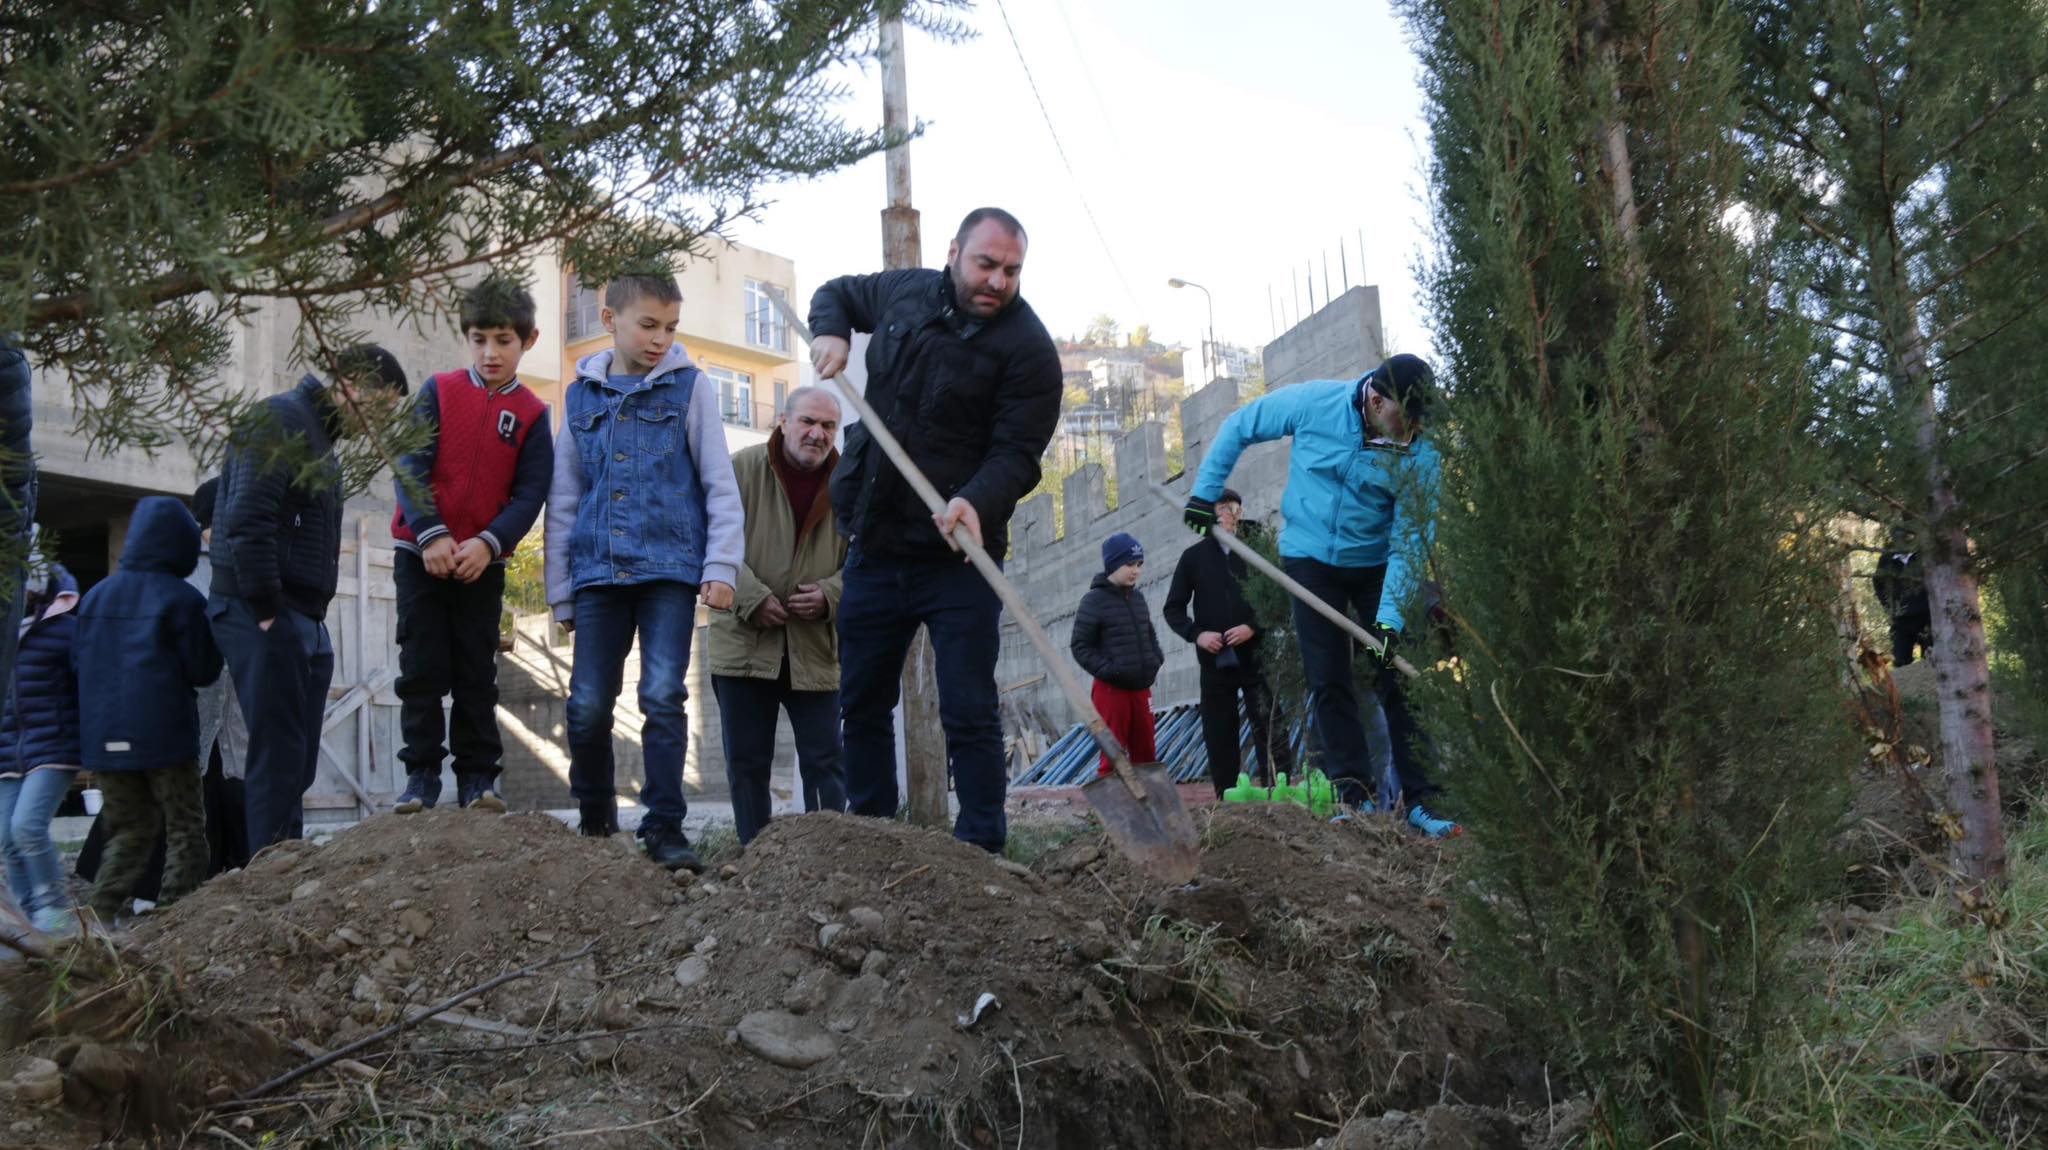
1962	668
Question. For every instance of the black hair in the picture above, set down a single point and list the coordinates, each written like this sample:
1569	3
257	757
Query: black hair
623	290
366	364
979	216
499	301
1408	381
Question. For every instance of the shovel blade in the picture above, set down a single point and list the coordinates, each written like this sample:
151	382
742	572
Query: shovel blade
1155	833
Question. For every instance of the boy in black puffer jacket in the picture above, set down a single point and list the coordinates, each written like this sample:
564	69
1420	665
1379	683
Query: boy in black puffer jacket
1113	640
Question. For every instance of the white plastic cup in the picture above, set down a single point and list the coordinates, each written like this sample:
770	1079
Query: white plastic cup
92	800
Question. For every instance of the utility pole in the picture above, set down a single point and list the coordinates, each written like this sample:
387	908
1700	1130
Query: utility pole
924	741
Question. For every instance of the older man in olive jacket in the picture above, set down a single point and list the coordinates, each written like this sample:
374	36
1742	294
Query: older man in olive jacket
778	648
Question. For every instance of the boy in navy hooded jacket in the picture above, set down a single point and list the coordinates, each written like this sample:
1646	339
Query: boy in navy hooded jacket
144	649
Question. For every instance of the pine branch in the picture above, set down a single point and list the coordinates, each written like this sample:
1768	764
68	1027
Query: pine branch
1970	130
1950	355
1975	261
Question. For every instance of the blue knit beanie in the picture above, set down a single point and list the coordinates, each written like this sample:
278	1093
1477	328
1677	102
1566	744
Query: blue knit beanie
1119	549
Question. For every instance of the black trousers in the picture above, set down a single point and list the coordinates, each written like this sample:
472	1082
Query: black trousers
1221	726
747	710
448	645
1327	657
281	677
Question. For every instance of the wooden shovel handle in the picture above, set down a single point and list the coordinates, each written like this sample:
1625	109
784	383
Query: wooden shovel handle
1259	563
1055	664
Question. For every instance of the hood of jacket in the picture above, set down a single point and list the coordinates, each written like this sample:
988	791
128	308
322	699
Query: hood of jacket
316	396
162	536
596	367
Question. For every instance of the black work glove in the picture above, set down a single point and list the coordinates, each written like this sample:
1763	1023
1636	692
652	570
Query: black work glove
1199	514
1390	642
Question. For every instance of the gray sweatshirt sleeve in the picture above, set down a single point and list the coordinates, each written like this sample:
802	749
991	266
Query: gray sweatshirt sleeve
565	495
725	517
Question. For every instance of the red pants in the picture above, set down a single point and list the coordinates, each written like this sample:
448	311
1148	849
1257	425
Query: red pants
1129	717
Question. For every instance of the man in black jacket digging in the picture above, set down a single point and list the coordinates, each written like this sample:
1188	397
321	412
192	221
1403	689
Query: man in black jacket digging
967	378
276	558
1226	635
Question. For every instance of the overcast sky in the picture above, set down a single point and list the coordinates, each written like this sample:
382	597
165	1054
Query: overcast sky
1231	145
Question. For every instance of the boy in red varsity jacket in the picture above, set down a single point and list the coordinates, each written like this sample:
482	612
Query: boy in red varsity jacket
464	502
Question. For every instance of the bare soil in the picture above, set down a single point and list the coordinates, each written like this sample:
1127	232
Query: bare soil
819	991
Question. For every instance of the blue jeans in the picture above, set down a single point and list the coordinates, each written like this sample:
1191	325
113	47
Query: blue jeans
281	677
664	615
1327	654
881	604
35	875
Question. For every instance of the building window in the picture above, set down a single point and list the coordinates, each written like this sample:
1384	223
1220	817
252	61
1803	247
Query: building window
735	395
781	395
582	321
765	327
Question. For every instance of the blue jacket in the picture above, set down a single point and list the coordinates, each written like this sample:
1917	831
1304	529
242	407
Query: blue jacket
1347	504
144	648
644	488
39	716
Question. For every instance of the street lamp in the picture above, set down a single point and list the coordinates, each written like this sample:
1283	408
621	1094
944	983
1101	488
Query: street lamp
1209	345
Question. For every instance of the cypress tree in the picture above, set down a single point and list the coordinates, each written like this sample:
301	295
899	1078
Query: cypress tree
1642	730
1898	152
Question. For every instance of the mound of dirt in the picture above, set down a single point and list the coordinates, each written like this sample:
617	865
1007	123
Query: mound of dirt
845	981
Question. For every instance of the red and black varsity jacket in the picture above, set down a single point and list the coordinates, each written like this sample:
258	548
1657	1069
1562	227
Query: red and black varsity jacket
485	472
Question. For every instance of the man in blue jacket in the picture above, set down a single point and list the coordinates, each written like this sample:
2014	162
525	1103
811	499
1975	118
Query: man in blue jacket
1361	490
143	651
276	560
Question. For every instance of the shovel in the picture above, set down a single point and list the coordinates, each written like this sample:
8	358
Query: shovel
1259	563
1139	806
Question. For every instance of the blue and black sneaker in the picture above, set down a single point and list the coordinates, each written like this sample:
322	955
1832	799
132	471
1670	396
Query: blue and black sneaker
422	791
1436	828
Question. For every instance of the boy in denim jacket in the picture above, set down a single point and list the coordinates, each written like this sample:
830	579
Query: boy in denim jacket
644	514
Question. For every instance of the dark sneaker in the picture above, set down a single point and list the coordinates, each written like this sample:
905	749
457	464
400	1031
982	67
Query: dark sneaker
669	847
479	791
600	819
422	791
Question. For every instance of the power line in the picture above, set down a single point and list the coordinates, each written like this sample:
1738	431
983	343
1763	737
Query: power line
1069	164
1088	74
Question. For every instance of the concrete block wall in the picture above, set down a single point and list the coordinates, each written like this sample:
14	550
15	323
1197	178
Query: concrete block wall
1053	571
1342	340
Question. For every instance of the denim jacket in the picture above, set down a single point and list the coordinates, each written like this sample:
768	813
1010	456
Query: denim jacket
643	488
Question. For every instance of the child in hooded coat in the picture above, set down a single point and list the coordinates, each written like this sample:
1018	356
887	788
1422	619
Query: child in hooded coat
143	651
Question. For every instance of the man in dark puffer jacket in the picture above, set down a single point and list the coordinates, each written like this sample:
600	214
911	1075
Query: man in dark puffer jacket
276	558
1113	640
967	378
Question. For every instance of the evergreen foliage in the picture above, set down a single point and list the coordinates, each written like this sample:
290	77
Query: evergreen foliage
167	168
1642	733
1901	192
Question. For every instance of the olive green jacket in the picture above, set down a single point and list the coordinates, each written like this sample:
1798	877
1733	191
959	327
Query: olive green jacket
781	553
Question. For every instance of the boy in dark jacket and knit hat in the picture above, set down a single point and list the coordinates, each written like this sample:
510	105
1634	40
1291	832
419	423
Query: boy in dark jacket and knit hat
39	754
1113	640
144	649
